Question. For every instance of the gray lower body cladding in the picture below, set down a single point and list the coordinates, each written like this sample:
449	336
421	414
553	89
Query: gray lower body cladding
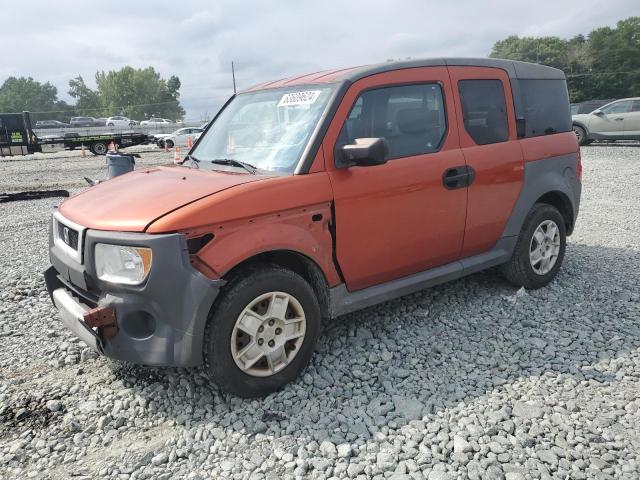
160	322
557	175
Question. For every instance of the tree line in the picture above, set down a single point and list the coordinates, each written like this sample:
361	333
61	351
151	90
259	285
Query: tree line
603	64
135	93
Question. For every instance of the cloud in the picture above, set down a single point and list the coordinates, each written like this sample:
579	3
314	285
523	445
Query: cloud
198	39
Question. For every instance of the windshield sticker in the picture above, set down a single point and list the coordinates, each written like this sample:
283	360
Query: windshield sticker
299	98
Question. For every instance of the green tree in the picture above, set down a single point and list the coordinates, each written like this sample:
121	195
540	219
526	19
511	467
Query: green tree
604	64
87	101
139	93
24	93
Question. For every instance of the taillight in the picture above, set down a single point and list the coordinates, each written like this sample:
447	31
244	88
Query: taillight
579	166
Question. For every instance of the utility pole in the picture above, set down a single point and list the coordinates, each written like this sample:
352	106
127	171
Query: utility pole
233	74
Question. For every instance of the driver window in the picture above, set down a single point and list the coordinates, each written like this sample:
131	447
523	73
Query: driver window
411	118
619	107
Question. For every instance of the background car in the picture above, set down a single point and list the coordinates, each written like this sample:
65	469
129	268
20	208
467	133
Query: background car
618	120
180	137
83	122
119	121
156	121
588	106
50	124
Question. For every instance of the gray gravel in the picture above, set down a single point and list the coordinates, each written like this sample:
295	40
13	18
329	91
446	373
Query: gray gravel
472	379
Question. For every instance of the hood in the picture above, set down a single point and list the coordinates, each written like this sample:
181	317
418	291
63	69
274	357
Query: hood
131	202
580	117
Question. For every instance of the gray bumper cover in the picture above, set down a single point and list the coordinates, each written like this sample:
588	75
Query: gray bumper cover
173	302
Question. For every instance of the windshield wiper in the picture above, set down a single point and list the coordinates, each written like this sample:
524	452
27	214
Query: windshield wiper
235	163
192	159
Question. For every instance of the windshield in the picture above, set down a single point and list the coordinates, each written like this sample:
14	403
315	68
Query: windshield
268	129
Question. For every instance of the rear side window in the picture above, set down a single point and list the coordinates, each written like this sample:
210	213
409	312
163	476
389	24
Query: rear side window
546	107
618	107
484	110
411	118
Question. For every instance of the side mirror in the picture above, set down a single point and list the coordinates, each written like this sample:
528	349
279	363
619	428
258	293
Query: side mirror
365	152
597	111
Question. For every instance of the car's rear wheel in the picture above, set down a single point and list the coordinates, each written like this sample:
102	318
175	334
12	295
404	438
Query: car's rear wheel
169	143
262	331
98	148
540	248
581	135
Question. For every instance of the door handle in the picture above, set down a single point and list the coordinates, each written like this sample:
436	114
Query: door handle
618	119
458	177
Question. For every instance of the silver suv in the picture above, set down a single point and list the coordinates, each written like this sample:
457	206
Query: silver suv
618	120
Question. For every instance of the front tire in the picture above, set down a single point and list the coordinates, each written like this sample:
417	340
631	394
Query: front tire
262	331
540	248
169	143
98	148
581	135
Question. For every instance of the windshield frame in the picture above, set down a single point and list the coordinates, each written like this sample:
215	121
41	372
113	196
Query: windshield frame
308	153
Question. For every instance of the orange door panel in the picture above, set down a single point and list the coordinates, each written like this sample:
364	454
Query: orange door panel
396	219
499	168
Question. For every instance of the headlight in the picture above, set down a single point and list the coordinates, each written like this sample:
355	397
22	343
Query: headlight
119	264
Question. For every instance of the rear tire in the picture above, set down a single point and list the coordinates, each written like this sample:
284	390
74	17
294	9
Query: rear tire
169	143
261	332
540	249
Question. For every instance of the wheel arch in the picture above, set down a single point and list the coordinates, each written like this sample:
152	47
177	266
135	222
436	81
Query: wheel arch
292	260
581	125
561	201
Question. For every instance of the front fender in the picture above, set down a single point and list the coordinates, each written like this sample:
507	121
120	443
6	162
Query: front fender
304	230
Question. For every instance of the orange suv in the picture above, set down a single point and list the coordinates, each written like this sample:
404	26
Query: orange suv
310	197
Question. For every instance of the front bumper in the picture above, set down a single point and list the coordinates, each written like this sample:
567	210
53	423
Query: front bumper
160	322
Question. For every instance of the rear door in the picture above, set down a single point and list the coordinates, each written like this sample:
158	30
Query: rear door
632	121
488	139
398	218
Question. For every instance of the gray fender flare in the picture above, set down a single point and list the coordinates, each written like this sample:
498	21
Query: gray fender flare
541	177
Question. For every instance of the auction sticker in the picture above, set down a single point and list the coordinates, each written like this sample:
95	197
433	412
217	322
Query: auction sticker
299	98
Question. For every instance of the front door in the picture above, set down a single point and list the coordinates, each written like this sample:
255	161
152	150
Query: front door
398	218
609	122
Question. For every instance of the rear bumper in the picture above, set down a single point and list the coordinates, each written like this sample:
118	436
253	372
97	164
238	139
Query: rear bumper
160	322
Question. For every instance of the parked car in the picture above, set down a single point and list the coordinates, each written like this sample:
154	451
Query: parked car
156	121
100	122
119	121
618	120
351	187
41	124
180	137
588	106
84	122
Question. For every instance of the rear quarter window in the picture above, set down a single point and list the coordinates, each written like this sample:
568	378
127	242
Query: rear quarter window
546	107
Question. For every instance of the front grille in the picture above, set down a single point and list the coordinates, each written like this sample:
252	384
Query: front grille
68	235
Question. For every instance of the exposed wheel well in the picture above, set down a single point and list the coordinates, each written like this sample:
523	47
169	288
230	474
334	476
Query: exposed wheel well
563	204
296	262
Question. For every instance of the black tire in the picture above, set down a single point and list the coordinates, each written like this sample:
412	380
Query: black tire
518	270
239	293
169	143
581	135
98	148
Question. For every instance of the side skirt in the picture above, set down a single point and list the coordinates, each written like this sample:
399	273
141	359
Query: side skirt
342	301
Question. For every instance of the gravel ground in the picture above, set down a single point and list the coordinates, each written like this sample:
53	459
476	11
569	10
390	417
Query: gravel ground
471	379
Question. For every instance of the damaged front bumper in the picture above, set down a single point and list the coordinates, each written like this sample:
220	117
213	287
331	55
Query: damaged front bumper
160	322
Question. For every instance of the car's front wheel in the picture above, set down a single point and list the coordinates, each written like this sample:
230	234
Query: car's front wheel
262	331
581	135
169	143
540	248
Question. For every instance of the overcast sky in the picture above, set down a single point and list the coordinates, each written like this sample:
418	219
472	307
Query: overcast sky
56	40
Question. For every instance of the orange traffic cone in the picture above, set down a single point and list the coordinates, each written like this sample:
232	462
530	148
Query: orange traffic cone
176	155
83	154
189	142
